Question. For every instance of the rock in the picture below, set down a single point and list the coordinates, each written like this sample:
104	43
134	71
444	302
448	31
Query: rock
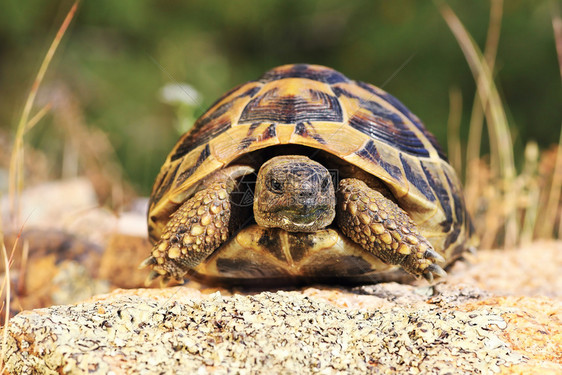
69	248
121	259
72	206
389	329
500	311
531	270
52	267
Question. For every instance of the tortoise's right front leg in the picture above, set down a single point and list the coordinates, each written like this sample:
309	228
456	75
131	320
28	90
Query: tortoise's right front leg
199	226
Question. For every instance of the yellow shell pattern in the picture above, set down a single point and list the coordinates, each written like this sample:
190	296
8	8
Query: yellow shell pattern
320	108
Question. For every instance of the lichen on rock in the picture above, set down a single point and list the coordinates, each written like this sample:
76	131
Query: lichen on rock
166	331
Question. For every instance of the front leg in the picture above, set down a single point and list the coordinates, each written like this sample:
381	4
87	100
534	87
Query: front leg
198	227
381	227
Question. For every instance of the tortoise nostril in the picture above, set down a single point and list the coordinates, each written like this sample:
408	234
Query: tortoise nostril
306	193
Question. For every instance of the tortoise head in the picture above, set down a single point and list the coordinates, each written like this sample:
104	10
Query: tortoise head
294	193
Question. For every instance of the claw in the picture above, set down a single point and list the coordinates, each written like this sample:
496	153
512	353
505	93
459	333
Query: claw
428	276
431	254
434	269
147	262
164	281
151	277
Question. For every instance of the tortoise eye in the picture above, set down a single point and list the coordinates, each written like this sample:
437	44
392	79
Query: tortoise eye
275	186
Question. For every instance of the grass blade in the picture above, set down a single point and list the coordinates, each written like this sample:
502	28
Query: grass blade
5	287
16	160
488	93
547	229
477	116
453	129
557	27
501	147
38	116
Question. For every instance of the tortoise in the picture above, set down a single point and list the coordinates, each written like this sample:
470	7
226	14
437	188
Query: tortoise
306	176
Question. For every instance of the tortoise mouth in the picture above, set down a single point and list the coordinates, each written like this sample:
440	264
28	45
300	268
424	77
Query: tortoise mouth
302	220
302	216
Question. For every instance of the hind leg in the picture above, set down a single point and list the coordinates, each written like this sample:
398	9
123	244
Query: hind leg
381	227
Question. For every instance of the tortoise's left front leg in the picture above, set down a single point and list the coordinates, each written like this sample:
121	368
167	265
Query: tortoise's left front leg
381	227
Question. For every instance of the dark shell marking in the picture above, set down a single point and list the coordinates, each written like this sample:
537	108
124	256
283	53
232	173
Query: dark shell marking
288	109
318	107
326	75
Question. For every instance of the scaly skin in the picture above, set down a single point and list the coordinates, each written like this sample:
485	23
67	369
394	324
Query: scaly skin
197	228
204	222
304	199
194	231
381	227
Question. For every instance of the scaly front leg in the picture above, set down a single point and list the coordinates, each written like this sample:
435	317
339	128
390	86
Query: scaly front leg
381	227
199	226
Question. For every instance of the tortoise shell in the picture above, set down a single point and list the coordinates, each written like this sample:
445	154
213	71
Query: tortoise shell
321	110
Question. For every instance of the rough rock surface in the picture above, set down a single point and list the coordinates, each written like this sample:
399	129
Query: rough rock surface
385	328
499	312
297	333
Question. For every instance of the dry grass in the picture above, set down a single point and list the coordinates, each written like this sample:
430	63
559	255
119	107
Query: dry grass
477	115
505	204
24	124
552	212
16	173
87	150
6	288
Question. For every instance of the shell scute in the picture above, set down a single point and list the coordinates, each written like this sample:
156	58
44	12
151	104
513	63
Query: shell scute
290	104
371	153
307	71
217	120
442	193
406	112
414	175
320	108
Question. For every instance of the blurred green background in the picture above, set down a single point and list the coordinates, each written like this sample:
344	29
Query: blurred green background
117	55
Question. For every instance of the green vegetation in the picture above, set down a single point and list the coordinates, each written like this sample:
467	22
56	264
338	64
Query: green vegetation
99	110
118	55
